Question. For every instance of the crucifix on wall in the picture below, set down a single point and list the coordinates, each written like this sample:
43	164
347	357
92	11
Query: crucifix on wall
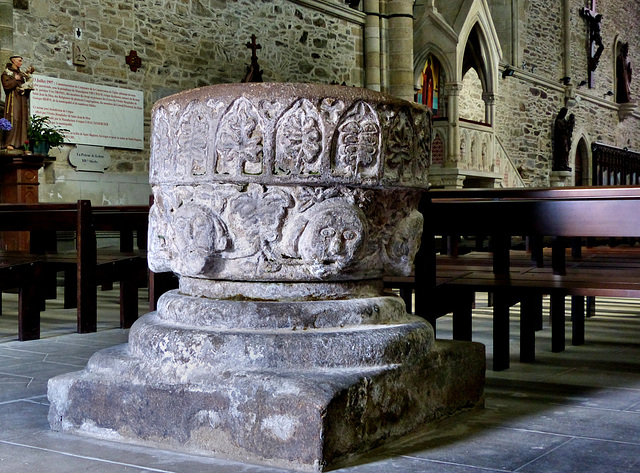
595	46
254	73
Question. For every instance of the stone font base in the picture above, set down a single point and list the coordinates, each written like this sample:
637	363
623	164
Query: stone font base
295	406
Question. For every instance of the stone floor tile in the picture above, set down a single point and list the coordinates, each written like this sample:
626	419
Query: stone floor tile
588	456
411	464
74	449
499	448
600	424
23	419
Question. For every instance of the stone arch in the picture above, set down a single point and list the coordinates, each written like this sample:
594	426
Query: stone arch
581	159
472	106
437	102
421	59
478	47
434	36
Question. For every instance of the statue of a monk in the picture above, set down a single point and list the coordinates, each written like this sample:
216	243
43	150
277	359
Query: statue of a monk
17	86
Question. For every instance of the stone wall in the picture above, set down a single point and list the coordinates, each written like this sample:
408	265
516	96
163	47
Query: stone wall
528	102
471	104
184	44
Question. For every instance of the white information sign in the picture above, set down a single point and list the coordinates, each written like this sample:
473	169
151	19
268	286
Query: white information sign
94	114
89	158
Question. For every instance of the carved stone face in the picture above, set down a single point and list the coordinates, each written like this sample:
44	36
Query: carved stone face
198	236
332	239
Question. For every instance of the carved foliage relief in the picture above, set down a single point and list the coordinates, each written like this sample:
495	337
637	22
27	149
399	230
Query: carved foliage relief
358	139
299	140
286	182
313	140
240	140
279	233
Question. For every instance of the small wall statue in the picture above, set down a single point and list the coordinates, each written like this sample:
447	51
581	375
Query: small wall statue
562	132
17	86
623	75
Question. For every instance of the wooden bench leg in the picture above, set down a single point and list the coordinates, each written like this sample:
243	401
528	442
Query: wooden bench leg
87	305
462	316
128	303
70	289
29	313
538	321
557	323
577	320
407	294
591	306
530	313
500	332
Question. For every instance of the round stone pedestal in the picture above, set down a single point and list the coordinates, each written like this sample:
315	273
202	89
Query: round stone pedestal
281	207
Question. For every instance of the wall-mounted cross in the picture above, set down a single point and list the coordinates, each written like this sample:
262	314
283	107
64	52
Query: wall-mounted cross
594	21
133	60
253	46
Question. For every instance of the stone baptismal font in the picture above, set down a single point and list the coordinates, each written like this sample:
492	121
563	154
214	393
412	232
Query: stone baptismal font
281	207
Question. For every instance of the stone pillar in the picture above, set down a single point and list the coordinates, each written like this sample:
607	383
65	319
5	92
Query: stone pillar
400	14
6	30
453	115
372	45
280	207
489	108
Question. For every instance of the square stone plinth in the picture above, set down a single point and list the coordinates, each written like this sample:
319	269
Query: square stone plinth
306	420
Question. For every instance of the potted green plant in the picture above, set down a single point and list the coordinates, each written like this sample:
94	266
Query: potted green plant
42	135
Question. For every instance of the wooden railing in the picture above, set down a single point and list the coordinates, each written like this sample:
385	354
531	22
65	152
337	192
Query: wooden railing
614	166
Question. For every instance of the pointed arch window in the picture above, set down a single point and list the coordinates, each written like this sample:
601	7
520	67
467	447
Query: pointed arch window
430	91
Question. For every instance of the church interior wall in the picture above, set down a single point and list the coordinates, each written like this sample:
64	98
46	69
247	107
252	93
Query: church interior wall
183	45
525	112
528	102
472	106
192	43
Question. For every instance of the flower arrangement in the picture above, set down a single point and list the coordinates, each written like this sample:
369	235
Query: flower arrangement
40	131
5	124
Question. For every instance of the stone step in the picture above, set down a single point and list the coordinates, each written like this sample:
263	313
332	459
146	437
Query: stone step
220	349
174	307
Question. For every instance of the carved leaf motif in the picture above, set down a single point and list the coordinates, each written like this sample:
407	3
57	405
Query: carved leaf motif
240	140
193	133
400	141
358	142
299	140
258	217
400	147
423	149
159	143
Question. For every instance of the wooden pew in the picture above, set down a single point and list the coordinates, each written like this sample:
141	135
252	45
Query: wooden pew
84	268
26	276
503	213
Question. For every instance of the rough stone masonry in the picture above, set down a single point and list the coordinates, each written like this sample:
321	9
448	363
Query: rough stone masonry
280	206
